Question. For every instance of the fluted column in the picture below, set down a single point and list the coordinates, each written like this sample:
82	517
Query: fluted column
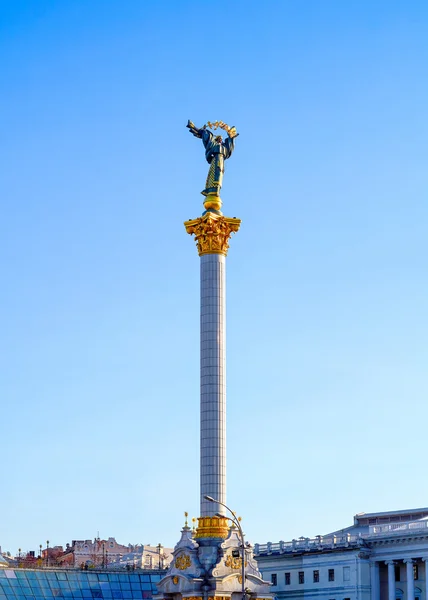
410	579
374	580
391	579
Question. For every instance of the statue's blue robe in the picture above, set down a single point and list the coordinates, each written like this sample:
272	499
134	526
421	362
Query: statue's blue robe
215	153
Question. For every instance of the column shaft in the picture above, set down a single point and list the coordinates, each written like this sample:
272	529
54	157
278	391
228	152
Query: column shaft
391	580
213	382
426	577
410	580
374	580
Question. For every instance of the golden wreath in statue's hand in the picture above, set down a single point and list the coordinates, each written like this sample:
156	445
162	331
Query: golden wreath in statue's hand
197	132
231	131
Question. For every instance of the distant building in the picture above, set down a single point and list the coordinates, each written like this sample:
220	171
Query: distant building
50	555
108	554
4	563
29	560
145	557
97	553
382	556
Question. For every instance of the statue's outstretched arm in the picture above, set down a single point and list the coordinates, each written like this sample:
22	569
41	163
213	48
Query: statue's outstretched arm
193	129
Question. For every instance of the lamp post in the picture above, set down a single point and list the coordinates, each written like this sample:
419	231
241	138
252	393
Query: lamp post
159	552
47	553
236	522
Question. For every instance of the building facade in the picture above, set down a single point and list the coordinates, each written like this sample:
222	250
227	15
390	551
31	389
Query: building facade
145	557
382	556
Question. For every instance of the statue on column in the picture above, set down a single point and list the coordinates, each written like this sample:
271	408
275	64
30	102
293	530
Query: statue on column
216	152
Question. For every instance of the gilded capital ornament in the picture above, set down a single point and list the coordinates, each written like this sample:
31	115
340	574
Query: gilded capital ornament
212	232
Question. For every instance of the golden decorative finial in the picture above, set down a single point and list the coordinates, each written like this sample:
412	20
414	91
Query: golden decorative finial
186	514
194	523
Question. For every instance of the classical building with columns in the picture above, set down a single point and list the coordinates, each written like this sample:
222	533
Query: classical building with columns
382	556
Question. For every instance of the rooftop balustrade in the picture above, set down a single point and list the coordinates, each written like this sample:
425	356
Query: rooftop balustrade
397	528
317	543
331	542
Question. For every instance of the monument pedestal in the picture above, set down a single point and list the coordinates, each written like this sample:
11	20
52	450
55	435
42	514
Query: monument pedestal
207	569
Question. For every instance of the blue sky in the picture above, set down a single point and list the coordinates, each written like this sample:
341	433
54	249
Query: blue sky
327	285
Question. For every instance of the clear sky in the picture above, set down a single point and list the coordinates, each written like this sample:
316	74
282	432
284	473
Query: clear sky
327	279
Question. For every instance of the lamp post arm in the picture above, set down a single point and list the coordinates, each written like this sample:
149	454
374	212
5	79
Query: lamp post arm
234	519
236	522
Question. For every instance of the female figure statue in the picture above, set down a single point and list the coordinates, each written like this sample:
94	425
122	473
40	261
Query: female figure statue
216	152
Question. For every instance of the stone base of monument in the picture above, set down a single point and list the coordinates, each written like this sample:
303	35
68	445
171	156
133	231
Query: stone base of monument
210	569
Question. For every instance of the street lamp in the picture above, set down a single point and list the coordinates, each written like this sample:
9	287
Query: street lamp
236	522
47	553
159	552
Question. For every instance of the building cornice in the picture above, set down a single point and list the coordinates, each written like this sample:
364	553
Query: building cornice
394	539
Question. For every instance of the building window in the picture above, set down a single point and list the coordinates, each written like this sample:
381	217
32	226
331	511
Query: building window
287	579
331	574
316	576
273	579
415	572
397	572
346	573
301	577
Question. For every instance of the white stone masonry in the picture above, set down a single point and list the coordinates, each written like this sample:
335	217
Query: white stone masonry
213	382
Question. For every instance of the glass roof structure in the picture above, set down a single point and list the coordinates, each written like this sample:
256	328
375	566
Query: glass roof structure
29	584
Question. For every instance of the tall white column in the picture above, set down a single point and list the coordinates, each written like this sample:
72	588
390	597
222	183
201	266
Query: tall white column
374	580
212	232
391	579
425	559
410	579
213	382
